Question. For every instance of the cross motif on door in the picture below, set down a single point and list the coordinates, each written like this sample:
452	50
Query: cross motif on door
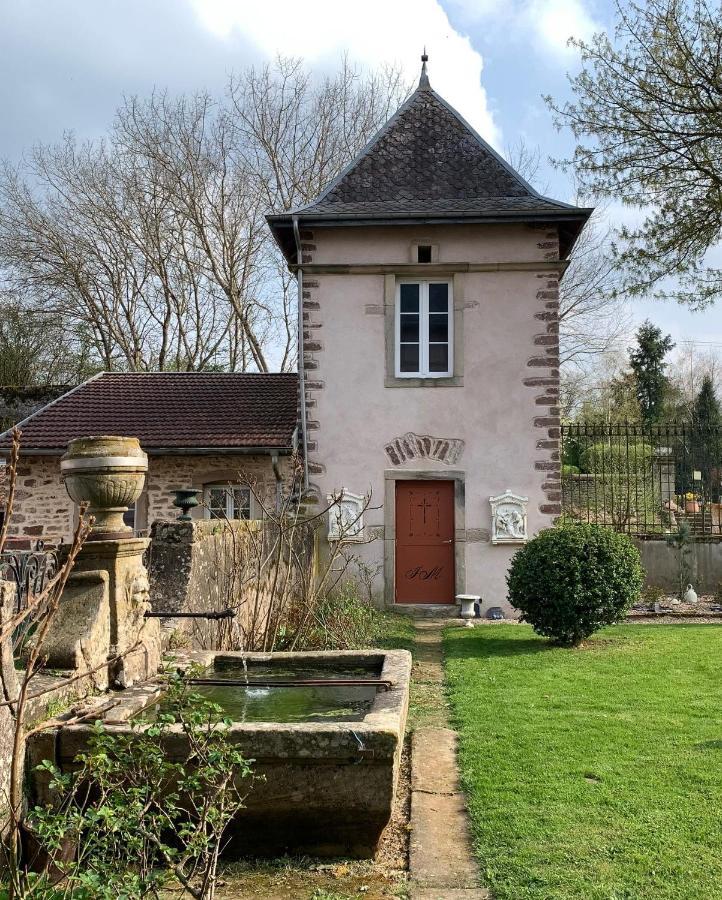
423	506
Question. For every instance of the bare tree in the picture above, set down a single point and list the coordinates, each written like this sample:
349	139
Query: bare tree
296	134
152	243
593	315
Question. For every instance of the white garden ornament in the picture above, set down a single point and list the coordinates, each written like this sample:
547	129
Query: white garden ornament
345	516
508	518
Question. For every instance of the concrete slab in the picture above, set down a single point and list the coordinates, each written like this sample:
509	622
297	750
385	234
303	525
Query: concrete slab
434	755
424	893
440	847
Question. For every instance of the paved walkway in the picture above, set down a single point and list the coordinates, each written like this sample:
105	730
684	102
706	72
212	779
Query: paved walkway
442	864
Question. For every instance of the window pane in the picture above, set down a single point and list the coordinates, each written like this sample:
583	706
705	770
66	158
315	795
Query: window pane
438	357
409	358
409	328
438	297
409	295
241	503
216	500
439	327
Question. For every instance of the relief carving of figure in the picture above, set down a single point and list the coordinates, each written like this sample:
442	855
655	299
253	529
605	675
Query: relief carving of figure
508	518
511	522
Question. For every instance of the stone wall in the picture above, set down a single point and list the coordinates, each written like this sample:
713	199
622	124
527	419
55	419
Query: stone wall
661	565
192	564
212	565
43	508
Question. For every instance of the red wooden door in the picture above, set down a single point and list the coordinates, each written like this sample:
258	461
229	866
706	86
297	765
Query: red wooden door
425	542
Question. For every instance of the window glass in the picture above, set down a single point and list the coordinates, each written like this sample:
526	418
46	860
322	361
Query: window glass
216	502
409	357
409	327
424	253
438	298
241	503
409	295
438	357
438	327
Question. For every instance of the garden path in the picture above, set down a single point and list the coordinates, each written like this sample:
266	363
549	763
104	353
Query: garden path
441	861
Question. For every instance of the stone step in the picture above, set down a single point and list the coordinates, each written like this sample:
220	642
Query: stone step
428	610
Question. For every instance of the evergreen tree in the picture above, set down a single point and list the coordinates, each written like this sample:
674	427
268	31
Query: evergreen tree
706	417
647	361
706	410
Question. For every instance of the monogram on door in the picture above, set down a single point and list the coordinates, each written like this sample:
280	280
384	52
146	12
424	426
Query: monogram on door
425	542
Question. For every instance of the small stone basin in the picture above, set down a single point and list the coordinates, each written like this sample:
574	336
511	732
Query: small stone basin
329	756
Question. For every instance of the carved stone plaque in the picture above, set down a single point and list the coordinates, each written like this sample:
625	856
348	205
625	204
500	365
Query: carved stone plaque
423	446
508	518
345	516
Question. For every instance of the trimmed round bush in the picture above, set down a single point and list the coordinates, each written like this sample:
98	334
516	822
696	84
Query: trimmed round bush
571	580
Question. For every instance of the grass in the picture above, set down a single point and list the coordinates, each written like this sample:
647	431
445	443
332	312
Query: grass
393	631
592	773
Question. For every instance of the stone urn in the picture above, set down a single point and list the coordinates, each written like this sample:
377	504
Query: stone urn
468	602
108	473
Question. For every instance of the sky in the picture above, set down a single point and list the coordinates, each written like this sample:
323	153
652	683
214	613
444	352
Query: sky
66	64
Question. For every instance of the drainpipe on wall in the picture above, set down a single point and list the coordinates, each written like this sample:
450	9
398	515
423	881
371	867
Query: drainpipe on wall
277	475
301	367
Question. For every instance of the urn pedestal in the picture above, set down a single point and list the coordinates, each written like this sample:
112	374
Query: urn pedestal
100	626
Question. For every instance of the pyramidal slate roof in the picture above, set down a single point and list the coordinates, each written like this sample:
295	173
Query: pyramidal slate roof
172	412
427	164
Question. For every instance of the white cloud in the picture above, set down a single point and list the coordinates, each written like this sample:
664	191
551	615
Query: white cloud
552	21
373	33
558	20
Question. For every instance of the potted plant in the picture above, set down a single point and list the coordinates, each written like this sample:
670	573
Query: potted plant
691	503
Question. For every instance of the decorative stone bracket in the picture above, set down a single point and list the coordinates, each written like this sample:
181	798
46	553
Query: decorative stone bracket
508	518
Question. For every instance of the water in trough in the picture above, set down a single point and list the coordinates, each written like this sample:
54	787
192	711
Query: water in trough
301	703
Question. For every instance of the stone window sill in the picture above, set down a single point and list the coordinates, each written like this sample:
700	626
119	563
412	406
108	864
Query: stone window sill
453	381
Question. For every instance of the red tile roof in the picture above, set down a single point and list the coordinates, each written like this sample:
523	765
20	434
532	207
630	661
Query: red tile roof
177	411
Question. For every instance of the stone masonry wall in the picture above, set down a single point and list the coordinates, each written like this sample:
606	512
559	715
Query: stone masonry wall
213	565
42	506
545	380
44	510
169	473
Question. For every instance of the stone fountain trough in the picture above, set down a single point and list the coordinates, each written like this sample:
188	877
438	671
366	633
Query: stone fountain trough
329	772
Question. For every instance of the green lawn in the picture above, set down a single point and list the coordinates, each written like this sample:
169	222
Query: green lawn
597	772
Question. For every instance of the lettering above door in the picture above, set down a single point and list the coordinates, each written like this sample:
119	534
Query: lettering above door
425	542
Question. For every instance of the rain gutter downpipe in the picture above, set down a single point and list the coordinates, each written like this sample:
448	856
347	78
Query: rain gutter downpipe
301	366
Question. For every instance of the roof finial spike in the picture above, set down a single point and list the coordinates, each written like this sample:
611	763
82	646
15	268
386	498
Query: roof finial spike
424	80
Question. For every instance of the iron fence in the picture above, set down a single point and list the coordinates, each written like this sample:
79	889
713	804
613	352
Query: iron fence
643	479
30	570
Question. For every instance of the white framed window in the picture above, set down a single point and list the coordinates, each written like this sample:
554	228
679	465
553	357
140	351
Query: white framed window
424	329
227	501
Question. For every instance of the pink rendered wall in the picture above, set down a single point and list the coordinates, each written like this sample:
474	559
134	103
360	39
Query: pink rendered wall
506	411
